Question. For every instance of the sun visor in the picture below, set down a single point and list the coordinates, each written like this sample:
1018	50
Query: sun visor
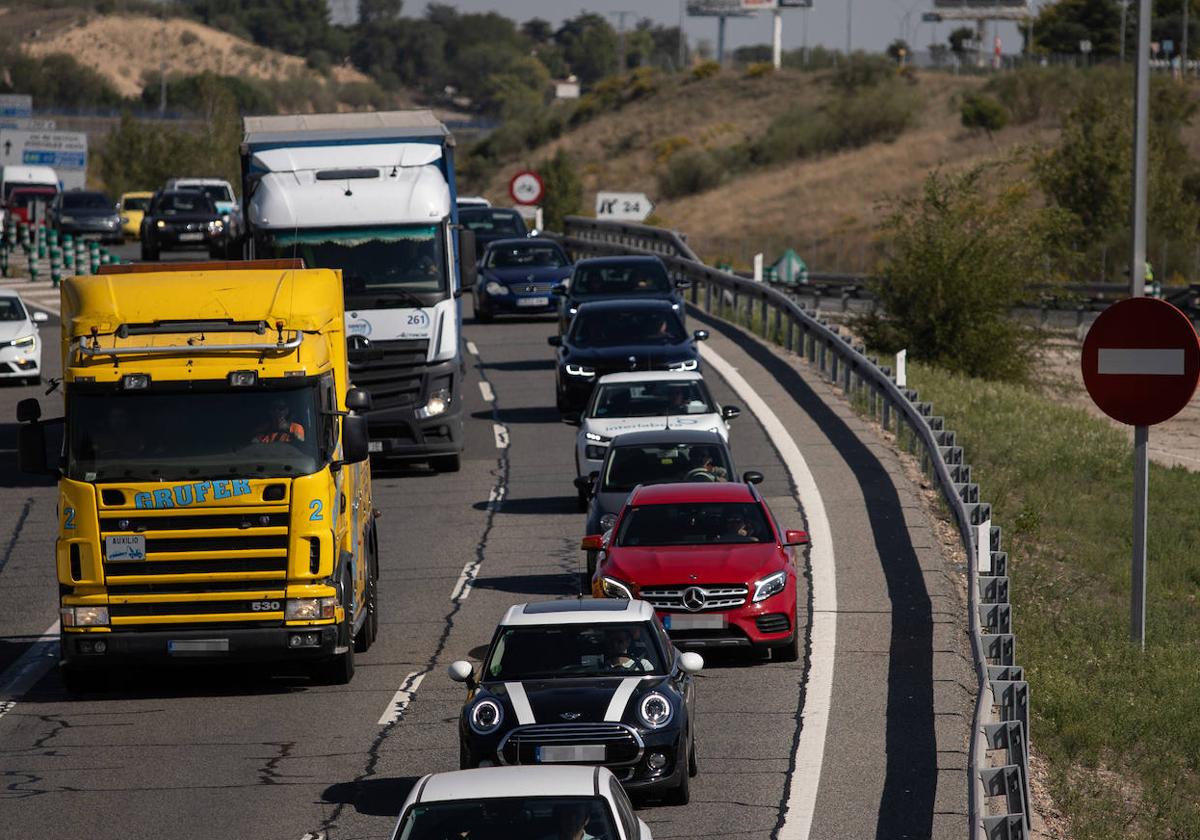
303	158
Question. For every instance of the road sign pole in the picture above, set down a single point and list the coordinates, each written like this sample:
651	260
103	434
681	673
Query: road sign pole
1141	133
1137	595
777	41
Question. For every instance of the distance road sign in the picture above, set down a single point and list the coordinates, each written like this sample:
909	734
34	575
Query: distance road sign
623	206
1141	361
526	188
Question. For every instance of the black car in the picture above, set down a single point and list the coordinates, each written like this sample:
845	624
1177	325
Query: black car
492	223
516	275
606	278
610	336
584	681
87	214
662	456
179	220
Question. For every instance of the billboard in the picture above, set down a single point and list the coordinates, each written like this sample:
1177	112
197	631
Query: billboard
65	151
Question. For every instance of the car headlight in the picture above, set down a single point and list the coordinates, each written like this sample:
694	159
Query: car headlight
160	224
439	402
216	226
494	288
607	521
83	616
581	370
686	364
25	341
655	710
770	585
310	609
596	437
572	310
613	588
67	220
485	716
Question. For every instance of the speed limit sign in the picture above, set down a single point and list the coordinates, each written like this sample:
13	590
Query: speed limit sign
526	188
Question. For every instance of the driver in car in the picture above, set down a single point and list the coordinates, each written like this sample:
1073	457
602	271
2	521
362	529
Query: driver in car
279	427
703	468
618	653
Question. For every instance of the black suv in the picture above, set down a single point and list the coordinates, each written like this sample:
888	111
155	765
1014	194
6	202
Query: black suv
606	278
180	220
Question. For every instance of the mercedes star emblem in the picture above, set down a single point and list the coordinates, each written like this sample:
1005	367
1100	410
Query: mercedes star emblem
694	598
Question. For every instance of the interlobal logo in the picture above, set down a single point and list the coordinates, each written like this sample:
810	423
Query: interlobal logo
694	598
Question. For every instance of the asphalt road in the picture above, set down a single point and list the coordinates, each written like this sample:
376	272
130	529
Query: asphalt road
242	754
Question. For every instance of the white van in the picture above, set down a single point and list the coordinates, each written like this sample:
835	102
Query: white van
12	177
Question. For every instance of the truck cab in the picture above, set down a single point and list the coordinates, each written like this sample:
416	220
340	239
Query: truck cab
373	195
214	490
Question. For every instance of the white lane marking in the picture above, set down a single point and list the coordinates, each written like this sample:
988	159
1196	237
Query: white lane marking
620	699
485	388
472	349
520	703
495	498
810	752
401	699
466	580
1146	362
31	666
501	434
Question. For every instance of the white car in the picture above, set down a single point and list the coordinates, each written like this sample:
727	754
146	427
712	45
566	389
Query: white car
20	344
643	402
520	802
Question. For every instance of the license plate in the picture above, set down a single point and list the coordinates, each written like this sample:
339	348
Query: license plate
125	548
190	237
716	621
537	301
185	646
375	446
567	754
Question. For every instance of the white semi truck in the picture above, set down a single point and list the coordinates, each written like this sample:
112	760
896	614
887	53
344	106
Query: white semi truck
373	194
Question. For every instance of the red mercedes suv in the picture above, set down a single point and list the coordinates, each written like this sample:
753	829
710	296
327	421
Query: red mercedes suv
711	559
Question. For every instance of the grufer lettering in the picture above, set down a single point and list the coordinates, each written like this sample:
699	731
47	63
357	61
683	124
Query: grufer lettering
185	495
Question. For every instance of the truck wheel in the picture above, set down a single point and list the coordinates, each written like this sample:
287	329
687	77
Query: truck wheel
79	681
446	463
339	669
366	634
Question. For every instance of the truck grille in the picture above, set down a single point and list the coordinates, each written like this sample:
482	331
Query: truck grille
621	742
391	371
715	596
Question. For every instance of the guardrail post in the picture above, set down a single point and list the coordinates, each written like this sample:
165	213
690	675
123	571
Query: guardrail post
708	296
762	313
791	331
833	367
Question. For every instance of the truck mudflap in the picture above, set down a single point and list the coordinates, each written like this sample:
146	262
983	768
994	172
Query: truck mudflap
279	645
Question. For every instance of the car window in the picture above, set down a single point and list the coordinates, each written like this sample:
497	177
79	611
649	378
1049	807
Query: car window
621	280
491	220
135	203
193	202
11	309
86	201
613	327
624	809
509	818
217	192
574	650
699	523
541	255
650	399
629	466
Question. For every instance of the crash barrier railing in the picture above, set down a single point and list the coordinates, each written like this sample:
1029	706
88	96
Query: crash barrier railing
998	756
46	252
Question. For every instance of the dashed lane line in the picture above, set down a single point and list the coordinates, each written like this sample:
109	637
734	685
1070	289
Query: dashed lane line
485	389
501	433
30	667
402	697
472	349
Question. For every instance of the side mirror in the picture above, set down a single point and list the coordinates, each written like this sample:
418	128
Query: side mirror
355	441
466	258
29	410
795	538
752	477
358	400
560	289
592	542
700	335
554	341
683	284
461	671
582	483
31	448
730	411
691	662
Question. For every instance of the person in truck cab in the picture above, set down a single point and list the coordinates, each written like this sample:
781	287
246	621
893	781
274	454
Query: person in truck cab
278	427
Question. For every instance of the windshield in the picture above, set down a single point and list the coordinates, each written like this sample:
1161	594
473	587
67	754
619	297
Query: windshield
380	265
217	192
650	399
704	523
488	220
541	255
515	818
86	201
573	650
614	327
135	203
11	309
629	466
192	202
23	198
152	435
625	280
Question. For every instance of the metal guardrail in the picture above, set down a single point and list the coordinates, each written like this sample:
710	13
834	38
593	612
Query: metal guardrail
998	797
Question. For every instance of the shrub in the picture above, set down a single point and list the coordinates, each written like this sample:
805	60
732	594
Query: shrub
666	148
54	79
690	172
1032	93
706	70
982	111
862	71
563	190
187	37
759	69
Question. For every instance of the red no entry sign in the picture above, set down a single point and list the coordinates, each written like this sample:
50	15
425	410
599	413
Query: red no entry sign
526	188
1141	361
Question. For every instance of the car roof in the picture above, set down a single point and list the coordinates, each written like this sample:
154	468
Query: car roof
510	241
11	293
625	260
668	436
650	376
499	782
577	611
624	304
692	492
137	194
205	182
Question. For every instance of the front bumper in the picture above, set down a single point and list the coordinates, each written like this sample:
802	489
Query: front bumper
517	303
18	362
770	623
241	644
87	230
167	240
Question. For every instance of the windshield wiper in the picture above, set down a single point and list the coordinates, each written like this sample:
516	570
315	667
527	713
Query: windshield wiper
382	296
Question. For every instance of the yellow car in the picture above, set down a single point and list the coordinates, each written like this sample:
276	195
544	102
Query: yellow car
133	207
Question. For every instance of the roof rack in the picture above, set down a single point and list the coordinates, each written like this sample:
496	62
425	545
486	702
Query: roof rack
284	264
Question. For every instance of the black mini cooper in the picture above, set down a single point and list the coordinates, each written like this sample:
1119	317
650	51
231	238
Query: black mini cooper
584	682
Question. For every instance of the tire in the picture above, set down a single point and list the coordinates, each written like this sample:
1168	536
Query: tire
789	652
585	584
149	254
584	502
483	316
464	757
446	463
592	557
681	794
33	380
693	767
366	634
338	669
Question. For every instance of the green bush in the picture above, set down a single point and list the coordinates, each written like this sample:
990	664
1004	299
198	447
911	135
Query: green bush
1031	93
190	93
689	172
979	110
563	190
55	79
759	69
706	70
862	70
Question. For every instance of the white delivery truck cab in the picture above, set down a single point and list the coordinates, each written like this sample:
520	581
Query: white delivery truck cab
373	194
12	177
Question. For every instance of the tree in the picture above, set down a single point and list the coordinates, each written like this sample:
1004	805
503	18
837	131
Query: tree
537	30
898	49
374	12
961	40
1060	26
589	45
980	110
563	190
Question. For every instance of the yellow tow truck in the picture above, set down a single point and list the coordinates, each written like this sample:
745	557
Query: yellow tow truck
214	488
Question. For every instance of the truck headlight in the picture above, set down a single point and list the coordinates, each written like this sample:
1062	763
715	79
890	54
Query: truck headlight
310	609
770	585
686	364
83	616
486	716
655	710
581	370
439	401
613	588
494	288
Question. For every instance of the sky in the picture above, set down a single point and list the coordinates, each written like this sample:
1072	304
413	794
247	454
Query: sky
875	24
